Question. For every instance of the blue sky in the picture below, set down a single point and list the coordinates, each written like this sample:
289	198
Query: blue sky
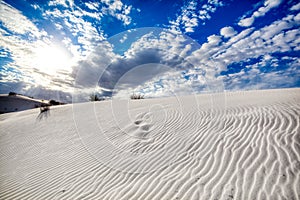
54	49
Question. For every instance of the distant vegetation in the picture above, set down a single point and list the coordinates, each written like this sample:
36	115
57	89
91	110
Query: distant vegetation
12	94
15	94
54	103
137	96
51	102
95	97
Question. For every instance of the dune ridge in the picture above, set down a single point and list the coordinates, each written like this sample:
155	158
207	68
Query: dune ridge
233	145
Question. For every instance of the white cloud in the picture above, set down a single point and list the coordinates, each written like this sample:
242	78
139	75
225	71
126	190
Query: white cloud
64	3
88	71
228	32
124	38
118	10
199	64
246	22
216	55
36	7
114	8
82	31
207	9
80	38
253	78
280	36
295	7
204	15
93	5
297	18
189	17
13	20
265	40
214	40
161	59
37	61
268	5
216	3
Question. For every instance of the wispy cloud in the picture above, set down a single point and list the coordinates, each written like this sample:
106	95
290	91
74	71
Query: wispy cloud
268	5
16	22
193	13
209	8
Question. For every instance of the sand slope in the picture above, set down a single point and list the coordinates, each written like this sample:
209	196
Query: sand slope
240	145
13	103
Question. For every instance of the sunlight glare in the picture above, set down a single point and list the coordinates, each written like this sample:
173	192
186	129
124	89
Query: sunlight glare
50	59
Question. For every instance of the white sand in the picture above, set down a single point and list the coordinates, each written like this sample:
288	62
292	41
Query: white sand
13	103
242	145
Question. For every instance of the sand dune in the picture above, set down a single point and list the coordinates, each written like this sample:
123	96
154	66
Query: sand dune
234	145
13	103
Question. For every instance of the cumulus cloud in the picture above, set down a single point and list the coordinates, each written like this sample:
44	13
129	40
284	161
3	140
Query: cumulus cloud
164	48
64	3
228	32
253	77
187	18
118	10
295	7
155	64
279	37
268	5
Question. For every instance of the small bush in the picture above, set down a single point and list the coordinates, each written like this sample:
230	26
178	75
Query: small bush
54	103
44	109
136	96
12	94
95	97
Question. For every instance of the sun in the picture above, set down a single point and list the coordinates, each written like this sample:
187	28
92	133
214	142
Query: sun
52	58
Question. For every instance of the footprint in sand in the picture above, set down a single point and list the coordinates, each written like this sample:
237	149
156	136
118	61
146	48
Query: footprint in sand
141	127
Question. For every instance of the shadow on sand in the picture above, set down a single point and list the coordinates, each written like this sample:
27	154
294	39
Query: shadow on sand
44	113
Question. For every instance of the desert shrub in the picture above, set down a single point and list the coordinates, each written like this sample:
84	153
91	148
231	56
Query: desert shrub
136	96
53	102
95	97
44	109
12	94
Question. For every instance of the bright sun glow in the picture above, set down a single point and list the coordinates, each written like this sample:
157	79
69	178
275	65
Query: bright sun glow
50	59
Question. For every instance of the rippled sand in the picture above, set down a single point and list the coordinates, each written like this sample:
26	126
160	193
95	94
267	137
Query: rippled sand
239	145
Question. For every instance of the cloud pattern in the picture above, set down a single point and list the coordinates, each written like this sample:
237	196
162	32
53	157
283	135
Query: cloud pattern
164	61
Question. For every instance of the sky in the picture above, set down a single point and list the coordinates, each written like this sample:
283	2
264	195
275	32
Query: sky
59	49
